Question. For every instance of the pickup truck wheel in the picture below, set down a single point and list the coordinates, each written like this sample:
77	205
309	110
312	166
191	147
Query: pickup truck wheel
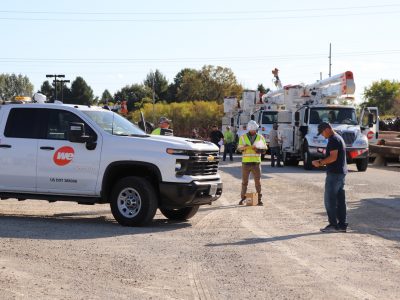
180	214
362	164
307	160
133	201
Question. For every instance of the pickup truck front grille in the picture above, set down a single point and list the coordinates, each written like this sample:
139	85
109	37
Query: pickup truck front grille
348	137
202	163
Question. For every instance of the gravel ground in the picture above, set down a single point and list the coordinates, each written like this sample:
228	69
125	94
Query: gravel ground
69	251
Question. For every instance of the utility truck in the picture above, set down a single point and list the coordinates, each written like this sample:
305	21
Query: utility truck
330	100
89	155
251	107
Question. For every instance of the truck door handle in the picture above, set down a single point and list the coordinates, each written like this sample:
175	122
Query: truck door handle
47	148
5	146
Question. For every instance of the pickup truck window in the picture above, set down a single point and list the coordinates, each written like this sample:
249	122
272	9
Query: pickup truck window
113	123
57	124
22	123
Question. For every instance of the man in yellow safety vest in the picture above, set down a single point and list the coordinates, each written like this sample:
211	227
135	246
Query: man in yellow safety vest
163	127
252	146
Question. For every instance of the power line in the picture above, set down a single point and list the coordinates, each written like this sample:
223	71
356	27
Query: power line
198	12
233	19
193	59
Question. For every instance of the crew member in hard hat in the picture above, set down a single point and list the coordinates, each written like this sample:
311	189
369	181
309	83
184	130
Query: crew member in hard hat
252	146
336	170
163	127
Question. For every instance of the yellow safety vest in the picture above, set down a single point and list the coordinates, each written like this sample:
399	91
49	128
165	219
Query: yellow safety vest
156	131
250	155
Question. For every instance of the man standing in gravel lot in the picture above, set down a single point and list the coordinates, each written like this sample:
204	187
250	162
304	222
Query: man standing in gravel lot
251	159
336	170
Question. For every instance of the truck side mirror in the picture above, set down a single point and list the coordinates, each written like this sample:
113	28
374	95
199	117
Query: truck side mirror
297	119
76	133
370	120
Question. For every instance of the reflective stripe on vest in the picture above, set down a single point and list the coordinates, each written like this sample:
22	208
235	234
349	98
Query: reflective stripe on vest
249	155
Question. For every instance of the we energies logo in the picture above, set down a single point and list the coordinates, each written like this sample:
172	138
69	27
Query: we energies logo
63	156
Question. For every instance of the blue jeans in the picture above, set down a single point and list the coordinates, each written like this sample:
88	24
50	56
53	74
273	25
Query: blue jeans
228	148
275	151
335	199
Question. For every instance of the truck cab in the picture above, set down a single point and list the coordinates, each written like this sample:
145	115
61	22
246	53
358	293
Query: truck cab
304	143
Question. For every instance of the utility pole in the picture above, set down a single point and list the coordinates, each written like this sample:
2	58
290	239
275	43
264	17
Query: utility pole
154	98
62	88
330	58
55	76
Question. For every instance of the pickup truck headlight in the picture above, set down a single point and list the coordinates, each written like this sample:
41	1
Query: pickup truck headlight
177	152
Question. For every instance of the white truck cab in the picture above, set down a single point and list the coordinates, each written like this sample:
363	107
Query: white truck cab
89	155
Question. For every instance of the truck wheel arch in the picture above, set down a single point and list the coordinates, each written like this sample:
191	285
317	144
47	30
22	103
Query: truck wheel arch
120	169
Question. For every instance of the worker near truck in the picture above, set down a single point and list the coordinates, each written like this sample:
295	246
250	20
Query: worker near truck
252	145
336	170
229	140
274	145
163	127
216	136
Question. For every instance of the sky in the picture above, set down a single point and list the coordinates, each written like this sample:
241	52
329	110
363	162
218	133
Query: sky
116	43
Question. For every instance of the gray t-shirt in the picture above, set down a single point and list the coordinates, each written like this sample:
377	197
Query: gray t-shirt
273	138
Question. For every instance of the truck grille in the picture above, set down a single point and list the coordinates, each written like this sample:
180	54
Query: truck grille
348	137
202	163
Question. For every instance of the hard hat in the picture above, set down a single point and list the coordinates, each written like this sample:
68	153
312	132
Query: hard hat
252	125
164	120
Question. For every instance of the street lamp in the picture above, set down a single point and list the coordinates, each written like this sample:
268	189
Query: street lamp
62	88
55	76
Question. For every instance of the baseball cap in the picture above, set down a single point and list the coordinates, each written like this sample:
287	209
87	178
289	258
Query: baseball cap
164	120
322	126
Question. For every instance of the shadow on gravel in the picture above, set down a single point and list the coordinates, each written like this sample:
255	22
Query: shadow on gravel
75	227
376	216
250	241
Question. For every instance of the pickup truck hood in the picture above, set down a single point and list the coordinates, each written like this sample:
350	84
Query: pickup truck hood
164	142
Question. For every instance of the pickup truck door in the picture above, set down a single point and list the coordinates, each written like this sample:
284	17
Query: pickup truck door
65	167
18	150
370	130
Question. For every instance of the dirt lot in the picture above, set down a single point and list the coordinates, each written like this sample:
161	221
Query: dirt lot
69	251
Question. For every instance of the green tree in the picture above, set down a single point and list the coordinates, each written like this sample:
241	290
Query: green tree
81	93
219	82
383	94
106	97
12	85
172	95
160	84
46	89
210	83
133	94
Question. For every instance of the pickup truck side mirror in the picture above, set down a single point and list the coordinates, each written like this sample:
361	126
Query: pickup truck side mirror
370	120
76	134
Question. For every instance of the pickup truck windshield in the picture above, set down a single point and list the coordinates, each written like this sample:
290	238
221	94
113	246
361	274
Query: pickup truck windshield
333	115
113	123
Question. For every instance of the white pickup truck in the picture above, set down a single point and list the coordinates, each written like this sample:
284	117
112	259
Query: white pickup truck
89	155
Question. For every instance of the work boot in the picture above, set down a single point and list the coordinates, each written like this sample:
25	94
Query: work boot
241	202
260	203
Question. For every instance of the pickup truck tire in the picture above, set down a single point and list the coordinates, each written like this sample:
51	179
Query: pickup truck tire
133	201
180	214
307	160
362	164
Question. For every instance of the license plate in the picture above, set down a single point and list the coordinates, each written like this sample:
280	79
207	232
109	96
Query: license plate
213	189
